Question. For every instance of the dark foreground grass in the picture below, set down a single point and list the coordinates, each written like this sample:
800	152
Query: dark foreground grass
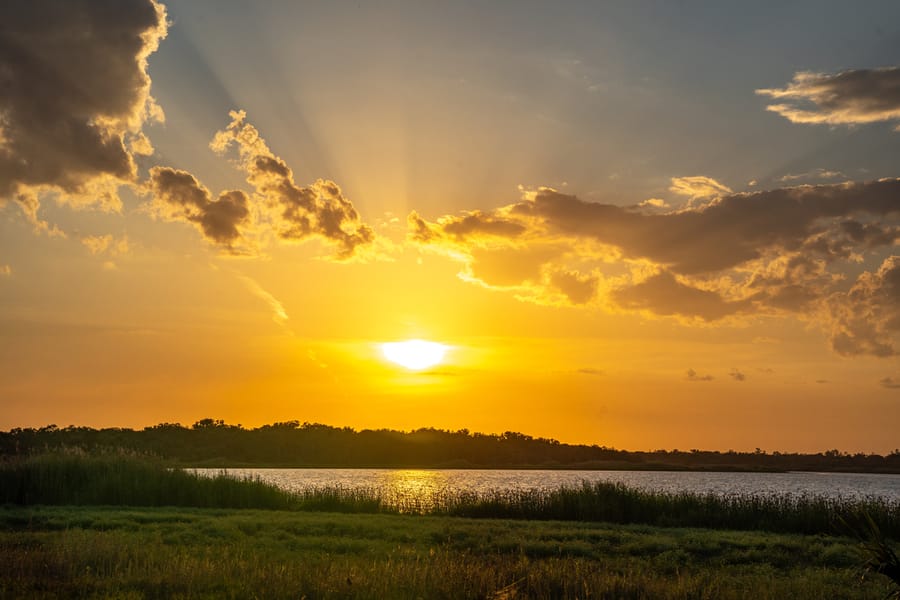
115	552
125	480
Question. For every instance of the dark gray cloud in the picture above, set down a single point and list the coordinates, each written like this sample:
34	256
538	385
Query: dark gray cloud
845	98
737	375
178	196
74	93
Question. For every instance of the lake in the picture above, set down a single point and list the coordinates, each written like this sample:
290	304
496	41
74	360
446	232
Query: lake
423	484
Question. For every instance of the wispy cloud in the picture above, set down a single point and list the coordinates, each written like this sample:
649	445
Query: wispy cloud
737	375
813	175
590	371
279	314
653	203
692	375
698	187
890	383
106	244
846	98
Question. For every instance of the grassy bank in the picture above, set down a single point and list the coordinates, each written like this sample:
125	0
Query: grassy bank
125	480
89	552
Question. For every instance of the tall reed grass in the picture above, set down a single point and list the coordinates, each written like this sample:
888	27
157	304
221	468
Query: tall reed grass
617	503
123	479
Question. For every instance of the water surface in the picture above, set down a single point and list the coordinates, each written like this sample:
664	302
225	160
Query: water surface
426	483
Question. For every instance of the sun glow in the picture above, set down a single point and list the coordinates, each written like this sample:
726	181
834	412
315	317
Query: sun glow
415	355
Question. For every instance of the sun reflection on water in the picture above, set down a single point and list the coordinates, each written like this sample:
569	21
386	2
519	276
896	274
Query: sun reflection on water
414	490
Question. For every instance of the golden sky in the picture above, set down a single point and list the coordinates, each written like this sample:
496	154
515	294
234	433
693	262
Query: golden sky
642	225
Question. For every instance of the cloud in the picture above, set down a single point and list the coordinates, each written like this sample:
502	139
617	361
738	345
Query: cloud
692	375
890	383
477	223
279	314
788	251
590	371
244	223
29	203
737	229
653	203
74	98
846	98
698	187
815	174
663	294
177	196
74	95
105	244
577	287
5	270
737	375
867	317
294	212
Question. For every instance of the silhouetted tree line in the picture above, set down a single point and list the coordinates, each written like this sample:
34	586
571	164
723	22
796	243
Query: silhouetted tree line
290	443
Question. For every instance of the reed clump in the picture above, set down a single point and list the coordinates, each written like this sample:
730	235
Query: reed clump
617	503
126	479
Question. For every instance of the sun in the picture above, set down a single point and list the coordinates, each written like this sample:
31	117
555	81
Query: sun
415	355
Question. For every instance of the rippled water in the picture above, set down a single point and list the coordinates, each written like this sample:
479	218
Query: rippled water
425	483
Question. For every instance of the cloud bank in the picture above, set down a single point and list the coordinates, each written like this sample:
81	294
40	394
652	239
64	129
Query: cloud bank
795	250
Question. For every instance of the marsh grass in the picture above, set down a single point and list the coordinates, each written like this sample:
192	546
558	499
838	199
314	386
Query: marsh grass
123	479
117	552
616	503
877	555
169	533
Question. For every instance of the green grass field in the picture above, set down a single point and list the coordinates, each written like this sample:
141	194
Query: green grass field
115	552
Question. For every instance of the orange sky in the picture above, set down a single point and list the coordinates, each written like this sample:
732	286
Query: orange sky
213	211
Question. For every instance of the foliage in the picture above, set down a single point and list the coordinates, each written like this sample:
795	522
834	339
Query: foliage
877	554
290	443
